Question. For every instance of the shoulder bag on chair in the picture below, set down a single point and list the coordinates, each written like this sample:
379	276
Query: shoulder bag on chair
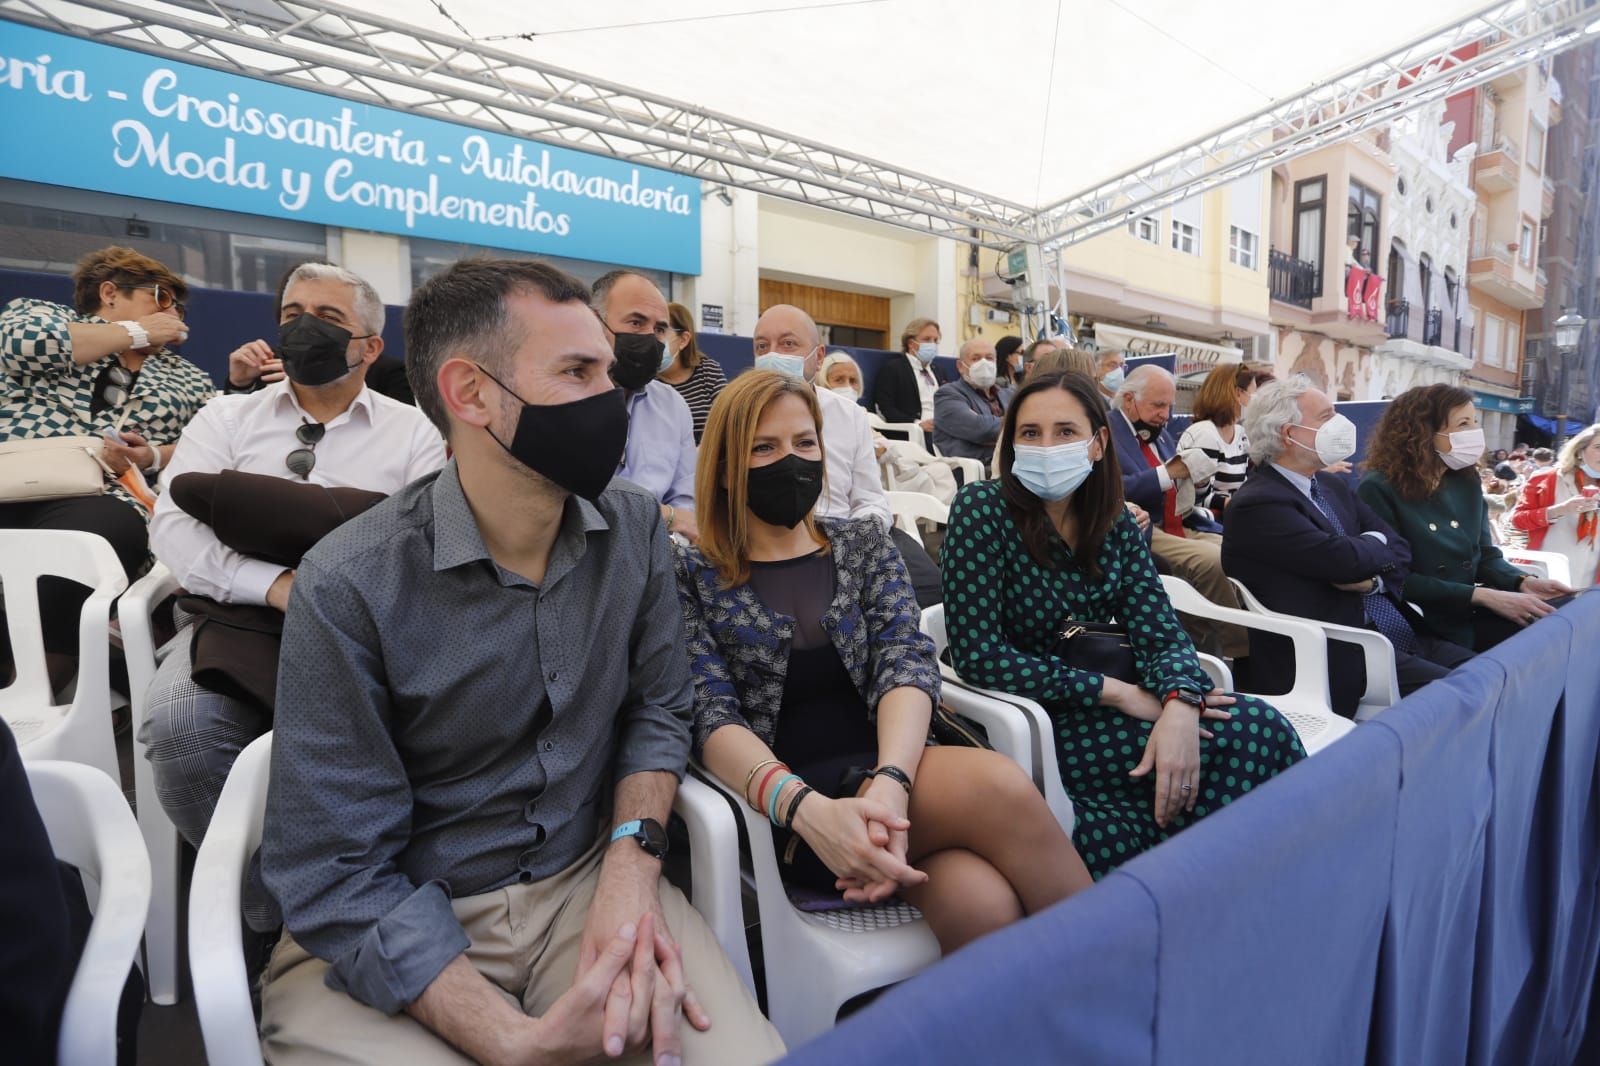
1099	647
52	468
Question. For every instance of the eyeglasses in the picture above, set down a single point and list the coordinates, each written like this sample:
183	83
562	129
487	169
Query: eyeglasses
116	385
166	298
303	459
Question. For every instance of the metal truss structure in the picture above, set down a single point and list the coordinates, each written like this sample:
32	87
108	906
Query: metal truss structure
340	51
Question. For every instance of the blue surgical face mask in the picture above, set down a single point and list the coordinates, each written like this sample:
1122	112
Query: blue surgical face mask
1591	471
1112	380
1054	472
667	357
793	366
927	351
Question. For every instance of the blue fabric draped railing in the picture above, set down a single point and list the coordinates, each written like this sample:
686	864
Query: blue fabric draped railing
1423	891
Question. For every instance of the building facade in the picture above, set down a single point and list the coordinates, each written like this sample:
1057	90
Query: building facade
1562	384
1328	212
1508	123
1427	318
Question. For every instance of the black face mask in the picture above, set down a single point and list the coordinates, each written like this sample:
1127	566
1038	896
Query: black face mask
783	493
1146	431
638	359
314	351
577	445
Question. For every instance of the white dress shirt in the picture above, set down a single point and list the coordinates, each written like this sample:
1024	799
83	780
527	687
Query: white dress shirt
927	384
377	444
854	485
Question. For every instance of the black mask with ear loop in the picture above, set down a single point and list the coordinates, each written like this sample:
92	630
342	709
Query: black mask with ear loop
576	445
314	351
784	492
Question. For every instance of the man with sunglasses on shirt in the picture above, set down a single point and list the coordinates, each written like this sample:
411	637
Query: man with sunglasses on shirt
320	425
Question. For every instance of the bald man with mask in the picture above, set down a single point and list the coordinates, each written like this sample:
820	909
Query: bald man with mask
787	340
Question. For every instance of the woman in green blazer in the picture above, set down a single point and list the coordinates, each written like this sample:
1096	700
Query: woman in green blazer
1422	479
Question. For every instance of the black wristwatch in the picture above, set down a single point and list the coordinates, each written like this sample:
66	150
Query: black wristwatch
1183	695
648	832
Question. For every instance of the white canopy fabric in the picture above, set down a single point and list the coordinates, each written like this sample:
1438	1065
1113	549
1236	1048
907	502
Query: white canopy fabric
1030	101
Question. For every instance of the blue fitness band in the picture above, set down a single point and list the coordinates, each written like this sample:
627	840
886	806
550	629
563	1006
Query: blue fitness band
772	804
626	829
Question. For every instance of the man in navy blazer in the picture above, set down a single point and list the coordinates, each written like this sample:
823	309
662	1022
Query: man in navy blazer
1305	544
967	414
1151	474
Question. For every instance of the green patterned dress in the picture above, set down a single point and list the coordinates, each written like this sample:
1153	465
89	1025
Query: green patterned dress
1003	612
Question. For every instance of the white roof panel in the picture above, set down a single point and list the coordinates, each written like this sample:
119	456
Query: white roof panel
1026	100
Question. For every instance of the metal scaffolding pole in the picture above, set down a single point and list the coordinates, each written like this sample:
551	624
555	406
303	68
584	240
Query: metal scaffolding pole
345	52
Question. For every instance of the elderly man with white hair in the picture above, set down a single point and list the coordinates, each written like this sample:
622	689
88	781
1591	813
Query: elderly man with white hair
1152	474
967	413
319	424
1305	544
788	341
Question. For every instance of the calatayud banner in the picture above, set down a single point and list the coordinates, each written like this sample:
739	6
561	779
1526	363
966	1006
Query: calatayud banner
93	116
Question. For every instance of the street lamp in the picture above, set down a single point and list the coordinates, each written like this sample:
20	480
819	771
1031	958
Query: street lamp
1569	336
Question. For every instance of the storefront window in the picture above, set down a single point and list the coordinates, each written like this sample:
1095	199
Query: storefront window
46	229
433	257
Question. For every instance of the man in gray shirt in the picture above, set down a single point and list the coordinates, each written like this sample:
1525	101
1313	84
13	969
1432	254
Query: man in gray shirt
483	713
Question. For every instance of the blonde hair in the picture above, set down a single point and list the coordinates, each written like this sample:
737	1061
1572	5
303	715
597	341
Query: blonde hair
720	477
1574	448
914	327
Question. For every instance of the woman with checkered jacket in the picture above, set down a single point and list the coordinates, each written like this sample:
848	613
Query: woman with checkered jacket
102	365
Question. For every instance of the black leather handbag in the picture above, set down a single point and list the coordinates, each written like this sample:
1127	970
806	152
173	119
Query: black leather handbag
1099	647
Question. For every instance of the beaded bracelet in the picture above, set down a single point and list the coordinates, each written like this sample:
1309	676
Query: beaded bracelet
772	804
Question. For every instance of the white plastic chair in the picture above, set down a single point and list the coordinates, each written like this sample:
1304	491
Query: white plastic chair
1553	565
1383	685
1306	705
912	430
80	731
216	947
817	961
216	935
973	470
92	829
911	507
160	835
1019	727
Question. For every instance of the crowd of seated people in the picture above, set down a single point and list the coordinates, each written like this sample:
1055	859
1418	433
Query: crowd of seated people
492	631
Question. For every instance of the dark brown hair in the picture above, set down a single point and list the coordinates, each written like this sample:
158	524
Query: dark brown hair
124	268
682	319
463	312
1402	448
1097	503
1215	402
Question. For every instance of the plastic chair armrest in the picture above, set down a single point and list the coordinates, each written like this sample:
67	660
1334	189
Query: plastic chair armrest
714	868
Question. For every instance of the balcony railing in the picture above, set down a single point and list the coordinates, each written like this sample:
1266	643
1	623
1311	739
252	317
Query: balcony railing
1397	321
1294	281
1433	326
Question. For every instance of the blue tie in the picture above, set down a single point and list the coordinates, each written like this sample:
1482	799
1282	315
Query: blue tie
1384	616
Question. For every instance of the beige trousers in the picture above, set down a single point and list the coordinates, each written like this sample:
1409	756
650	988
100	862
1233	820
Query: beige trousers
1197	558
525	940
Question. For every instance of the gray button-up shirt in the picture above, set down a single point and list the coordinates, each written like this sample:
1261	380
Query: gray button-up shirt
445	727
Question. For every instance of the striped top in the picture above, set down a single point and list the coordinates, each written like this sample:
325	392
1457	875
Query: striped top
1233	459
699	389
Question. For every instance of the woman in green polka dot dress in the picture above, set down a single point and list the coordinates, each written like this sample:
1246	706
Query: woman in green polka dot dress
1049	542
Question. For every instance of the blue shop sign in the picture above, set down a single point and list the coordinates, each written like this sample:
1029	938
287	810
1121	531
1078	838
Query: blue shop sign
1511	405
93	116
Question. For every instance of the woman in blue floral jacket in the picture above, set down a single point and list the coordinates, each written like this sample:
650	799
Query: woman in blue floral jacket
814	689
